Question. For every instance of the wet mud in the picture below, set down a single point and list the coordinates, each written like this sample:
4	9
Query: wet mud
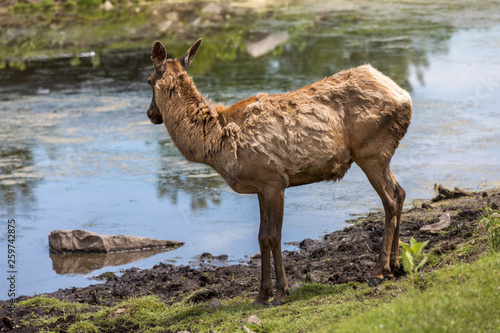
339	257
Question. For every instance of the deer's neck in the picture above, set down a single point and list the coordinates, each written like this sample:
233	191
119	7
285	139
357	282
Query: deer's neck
191	122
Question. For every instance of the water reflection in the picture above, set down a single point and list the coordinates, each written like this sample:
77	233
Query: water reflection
64	73
176	175
318	51
84	263
18	178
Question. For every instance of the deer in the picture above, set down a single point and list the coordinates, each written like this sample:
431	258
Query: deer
267	143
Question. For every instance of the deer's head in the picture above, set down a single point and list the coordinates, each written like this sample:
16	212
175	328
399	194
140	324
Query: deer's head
168	70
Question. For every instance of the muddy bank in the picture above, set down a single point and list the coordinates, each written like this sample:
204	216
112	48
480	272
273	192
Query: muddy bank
339	257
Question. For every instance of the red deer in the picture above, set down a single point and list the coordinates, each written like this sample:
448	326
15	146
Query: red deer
267	143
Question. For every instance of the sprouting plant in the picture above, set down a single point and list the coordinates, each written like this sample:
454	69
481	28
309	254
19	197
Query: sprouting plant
491	223
411	256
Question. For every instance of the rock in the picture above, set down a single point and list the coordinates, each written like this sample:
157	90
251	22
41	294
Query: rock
214	302
196	21
307	243
107	276
86	241
443	223
212	9
117	313
163	26
206	256
107	5
209	257
172	17
172	20
267	44
222	257
253	319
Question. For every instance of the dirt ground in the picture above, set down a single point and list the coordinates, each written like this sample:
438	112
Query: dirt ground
339	257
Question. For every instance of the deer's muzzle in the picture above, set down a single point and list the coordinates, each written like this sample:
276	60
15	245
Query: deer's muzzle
155	117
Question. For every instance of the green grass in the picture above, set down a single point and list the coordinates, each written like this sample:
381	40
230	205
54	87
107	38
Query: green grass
463	298
49	304
308	308
54	309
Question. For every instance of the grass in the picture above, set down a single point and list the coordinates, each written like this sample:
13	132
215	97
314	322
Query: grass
51	304
308	308
463	298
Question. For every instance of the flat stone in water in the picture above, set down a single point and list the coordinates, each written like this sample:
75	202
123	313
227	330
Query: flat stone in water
87	241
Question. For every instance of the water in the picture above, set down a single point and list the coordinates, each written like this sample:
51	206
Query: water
78	151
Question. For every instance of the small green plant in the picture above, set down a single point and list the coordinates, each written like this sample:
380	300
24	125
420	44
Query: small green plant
411	256
491	223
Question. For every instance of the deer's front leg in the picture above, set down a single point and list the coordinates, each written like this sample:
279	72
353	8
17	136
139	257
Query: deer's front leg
271	220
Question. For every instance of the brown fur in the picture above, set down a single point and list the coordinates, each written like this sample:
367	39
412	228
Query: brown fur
267	143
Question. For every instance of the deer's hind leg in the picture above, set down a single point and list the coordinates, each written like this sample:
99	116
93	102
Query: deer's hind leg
394	260
384	182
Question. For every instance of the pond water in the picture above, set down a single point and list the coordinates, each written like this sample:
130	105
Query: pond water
78	152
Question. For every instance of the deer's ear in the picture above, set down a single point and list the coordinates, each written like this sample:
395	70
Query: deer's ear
158	54
190	54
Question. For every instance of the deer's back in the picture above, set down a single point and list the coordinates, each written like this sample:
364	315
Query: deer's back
314	130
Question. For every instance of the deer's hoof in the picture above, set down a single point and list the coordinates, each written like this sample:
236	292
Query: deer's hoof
389	277
277	302
261	302
398	271
375	281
